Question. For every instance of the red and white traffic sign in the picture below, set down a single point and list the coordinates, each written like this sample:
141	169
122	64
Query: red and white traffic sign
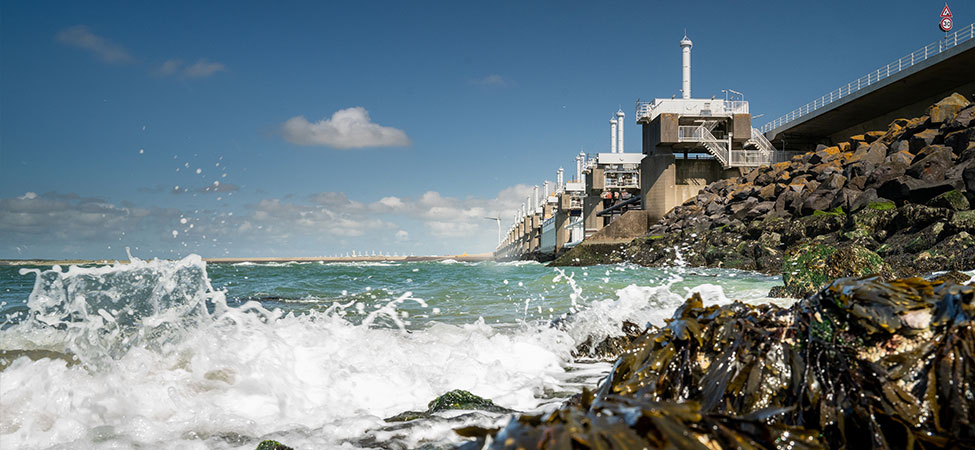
946	12
946	24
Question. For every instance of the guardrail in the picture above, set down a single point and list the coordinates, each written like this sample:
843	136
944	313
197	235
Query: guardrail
705	107
921	55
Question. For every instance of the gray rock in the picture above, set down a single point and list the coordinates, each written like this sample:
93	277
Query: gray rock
924	139
931	163
905	188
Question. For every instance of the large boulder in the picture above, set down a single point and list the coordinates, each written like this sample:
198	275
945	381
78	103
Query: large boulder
809	267
952	199
906	188
931	163
875	153
947	108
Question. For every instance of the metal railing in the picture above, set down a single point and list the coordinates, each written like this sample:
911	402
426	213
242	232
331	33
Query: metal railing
921	55
700	133
761	141
706	107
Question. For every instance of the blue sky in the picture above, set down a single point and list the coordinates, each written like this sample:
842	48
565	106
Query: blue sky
370	126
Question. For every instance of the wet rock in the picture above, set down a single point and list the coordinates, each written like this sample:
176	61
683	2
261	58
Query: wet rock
272	445
611	347
952	199
962	221
952	277
852	365
457	399
809	267
913	216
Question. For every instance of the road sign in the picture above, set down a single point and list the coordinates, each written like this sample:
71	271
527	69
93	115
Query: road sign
946	24
946	12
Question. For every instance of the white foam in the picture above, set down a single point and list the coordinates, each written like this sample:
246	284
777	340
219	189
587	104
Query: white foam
254	372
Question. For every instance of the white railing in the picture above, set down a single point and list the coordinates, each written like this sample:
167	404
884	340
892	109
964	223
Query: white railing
700	133
925	53
761	141
749	158
690	107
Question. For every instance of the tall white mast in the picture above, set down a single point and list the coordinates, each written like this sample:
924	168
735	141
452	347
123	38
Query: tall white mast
619	121
612	135
685	49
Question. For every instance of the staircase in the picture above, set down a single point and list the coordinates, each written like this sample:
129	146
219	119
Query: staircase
702	134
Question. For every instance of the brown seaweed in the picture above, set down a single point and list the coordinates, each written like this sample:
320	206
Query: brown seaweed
861	364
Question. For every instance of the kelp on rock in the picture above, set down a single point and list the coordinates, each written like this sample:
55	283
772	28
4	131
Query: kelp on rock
861	364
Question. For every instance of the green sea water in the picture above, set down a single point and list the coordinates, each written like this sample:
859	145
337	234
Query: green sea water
181	354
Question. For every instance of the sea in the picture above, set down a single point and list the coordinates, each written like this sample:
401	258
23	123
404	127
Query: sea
158	354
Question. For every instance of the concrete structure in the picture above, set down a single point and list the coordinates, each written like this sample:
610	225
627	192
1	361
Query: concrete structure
690	143
903	88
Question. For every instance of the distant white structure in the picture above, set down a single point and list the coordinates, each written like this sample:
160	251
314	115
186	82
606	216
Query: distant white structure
612	135
685	49
619	121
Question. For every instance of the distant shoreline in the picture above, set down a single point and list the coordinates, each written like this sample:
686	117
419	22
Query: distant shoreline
324	259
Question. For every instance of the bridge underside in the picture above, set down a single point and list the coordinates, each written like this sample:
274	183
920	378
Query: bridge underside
874	108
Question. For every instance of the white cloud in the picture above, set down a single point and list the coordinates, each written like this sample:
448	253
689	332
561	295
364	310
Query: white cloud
402	235
450	217
200	69
170	67
347	128
491	80
281	219
50	217
80	36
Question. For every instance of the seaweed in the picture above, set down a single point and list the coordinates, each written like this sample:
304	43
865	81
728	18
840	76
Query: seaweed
862	363
455	399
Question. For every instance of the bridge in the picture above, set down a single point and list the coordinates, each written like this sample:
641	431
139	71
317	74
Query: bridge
903	88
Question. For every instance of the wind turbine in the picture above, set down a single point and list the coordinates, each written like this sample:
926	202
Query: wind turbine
498	220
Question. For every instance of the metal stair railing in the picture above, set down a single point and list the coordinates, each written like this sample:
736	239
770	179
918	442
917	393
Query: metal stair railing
761	141
933	49
701	133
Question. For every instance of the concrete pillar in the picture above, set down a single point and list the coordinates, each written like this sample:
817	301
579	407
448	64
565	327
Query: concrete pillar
591	205
658	173
561	220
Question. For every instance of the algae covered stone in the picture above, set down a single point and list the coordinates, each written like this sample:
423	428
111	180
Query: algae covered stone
457	399
808	267
272	445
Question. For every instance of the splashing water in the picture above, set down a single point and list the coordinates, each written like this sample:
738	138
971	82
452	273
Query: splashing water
151	354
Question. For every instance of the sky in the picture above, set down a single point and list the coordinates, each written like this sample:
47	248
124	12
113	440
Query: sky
246	129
